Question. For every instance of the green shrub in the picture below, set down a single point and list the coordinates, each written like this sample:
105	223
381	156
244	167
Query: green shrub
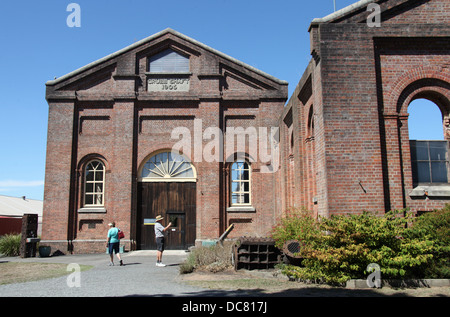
297	224
435	226
340	248
10	244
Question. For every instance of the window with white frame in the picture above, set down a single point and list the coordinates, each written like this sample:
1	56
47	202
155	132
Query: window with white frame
94	184
240	183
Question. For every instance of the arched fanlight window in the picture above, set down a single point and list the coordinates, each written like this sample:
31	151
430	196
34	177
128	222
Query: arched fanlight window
94	184
168	166
240	183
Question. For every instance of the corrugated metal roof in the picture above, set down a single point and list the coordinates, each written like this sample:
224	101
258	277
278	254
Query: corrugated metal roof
17	206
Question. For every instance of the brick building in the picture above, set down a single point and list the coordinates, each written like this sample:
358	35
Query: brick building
113	124
343	134
345	128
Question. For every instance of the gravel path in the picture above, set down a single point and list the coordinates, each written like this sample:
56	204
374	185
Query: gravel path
138	277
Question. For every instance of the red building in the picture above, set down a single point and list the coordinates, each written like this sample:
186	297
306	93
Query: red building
113	124
343	135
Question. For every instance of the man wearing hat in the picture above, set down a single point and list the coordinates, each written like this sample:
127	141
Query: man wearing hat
159	233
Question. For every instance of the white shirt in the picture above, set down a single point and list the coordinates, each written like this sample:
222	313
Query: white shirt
159	230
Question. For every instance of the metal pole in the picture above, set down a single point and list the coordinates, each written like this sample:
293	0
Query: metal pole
334	3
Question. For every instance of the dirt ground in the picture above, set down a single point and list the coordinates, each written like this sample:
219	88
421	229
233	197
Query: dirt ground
269	283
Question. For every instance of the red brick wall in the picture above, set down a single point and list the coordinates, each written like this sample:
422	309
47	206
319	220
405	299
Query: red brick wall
109	115
363	79
58	174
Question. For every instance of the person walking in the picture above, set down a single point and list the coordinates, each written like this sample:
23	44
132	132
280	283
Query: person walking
113	243
159	234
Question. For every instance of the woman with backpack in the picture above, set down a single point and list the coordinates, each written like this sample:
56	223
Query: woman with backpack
113	243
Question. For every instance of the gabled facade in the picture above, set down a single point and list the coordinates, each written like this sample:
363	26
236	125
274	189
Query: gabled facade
345	128
113	124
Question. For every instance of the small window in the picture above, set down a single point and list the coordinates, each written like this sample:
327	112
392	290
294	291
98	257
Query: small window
429	161
168	61
94	184
240	183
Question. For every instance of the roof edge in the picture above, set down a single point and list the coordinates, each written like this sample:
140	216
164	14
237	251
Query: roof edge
152	37
108	57
342	12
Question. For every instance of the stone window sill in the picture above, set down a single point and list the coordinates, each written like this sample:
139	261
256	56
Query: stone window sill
92	210
430	191
241	209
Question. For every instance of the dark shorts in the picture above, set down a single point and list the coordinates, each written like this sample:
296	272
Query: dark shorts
160	244
113	247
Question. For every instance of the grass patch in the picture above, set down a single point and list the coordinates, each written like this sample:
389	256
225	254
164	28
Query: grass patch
265	285
19	272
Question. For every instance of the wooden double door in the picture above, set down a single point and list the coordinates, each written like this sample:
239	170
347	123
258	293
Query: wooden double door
176	202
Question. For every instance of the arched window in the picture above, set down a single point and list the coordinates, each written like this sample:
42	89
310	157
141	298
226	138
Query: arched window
168	166
311	122
94	184
240	183
429	157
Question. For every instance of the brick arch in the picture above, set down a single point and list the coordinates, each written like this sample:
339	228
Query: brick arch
92	156
429	82
435	90
240	156
432	89
416	82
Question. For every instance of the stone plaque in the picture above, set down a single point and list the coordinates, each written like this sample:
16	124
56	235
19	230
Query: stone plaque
168	84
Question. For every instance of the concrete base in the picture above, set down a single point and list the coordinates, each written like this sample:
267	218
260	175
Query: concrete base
401	283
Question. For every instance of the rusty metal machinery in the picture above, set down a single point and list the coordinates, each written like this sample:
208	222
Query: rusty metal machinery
291	248
255	253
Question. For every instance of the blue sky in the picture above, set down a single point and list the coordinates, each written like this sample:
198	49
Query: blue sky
37	45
